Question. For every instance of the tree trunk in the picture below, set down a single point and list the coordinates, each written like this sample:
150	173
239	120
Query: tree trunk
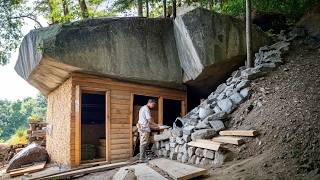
51	8
84	9
140	7
248	34
164	8
147	8
174	8
65	9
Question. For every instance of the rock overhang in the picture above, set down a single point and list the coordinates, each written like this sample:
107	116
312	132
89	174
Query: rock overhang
199	48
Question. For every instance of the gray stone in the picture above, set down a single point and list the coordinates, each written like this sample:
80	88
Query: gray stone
203	134
157	143
191	151
177	132
163	136
172	139
173	155
167	147
245	93
186	138
225	105
198	160
202	125
243	84
183	149
217	109
199	152
30	154
188	130
217	125
236	98
122	54
173	145
192	159
220	88
166	153
236	74
179	156
204	112
208	154
180	140
221	96
176	149
222	116
205	162
219	158
163	144
184	158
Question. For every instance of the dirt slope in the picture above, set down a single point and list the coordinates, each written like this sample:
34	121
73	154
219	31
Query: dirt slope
285	109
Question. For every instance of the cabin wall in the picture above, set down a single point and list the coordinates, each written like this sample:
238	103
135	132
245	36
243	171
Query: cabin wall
59	125
64	111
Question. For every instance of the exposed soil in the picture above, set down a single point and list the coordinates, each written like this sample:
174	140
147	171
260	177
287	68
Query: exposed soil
285	109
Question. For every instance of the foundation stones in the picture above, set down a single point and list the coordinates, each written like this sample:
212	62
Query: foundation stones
208	154
219	158
198	160
236	98
184	158
245	93
205	162
179	156
225	105
217	125
173	144
186	138
167	146
180	140
202	125
191	151
192	159
188	130
173	155
199	152
203	134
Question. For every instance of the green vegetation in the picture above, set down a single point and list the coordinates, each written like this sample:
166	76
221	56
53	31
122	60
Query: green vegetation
14	116
14	12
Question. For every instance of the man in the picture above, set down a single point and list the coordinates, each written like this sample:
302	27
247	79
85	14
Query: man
145	120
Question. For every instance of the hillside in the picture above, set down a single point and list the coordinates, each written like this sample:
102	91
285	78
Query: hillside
285	109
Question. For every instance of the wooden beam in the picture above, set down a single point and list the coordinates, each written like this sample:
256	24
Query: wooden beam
108	126
176	170
183	108
228	140
160	110
34	168
206	144
77	138
238	133
131	122
68	174
248	34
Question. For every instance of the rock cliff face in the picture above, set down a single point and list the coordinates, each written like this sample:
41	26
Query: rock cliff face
206	46
133	49
211	46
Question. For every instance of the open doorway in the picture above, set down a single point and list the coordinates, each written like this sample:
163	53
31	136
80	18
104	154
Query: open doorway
171	110
93	126
138	102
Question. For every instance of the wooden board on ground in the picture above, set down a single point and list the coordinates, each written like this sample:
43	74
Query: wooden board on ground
142	172
238	133
71	173
206	144
176	170
34	168
228	140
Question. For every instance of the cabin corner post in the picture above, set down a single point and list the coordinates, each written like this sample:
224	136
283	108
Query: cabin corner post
77	135
108	128
131	123
160	110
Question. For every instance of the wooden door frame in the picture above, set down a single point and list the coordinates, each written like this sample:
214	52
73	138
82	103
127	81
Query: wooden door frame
78	93
160	111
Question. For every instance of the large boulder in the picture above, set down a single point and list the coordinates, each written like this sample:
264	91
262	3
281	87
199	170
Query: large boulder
30	154
133	49
211	46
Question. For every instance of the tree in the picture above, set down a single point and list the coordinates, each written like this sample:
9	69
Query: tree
12	13
84	9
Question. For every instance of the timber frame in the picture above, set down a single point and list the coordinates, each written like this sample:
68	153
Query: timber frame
119	114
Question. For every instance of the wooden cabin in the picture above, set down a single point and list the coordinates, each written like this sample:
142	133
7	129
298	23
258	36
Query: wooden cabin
92	117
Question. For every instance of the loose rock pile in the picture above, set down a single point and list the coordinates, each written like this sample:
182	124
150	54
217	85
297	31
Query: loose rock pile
206	120
37	133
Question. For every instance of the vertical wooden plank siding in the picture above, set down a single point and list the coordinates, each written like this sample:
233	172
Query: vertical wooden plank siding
131	120
160	110
77	138
183	108
108	120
